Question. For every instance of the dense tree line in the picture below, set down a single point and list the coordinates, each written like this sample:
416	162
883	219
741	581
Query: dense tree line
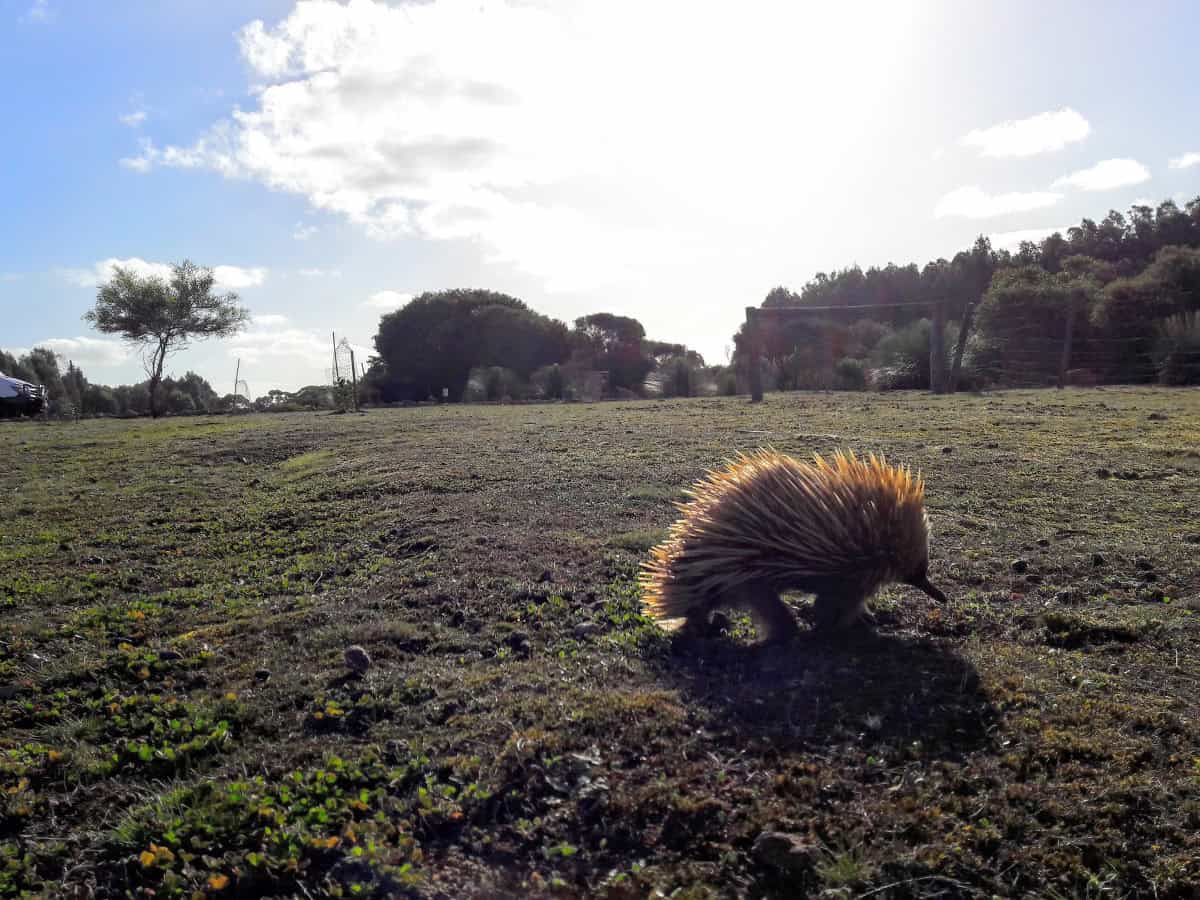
468	344
1128	285
69	393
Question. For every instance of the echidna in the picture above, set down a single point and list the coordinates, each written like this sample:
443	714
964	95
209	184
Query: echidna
767	523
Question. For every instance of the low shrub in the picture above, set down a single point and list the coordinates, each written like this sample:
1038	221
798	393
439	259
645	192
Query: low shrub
850	375
1177	351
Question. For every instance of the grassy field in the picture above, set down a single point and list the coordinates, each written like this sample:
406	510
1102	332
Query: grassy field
176	719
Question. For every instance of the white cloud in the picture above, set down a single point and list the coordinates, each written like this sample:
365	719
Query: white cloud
238	277
387	300
1185	161
1042	133
204	153
88	351
1106	175
974	203
136	164
227	277
134	119
438	121
39	14
103	270
1179	198
10	276
320	273
302	232
270	339
1011	240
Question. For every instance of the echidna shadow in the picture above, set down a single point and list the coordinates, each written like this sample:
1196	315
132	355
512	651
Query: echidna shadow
888	689
767	523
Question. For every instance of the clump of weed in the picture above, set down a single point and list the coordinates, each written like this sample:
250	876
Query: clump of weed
638	541
354	712
23	770
627	624
653	493
1069	631
305	463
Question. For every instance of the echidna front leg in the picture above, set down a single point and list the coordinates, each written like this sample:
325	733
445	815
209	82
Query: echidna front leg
773	617
835	612
698	623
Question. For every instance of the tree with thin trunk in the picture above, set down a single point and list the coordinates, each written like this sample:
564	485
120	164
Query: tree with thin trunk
975	270
162	317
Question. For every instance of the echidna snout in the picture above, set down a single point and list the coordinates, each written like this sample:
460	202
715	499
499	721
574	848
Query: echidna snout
921	580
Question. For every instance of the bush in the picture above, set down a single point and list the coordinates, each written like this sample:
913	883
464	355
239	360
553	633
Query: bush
863	336
494	383
582	383
900	360
898	378
343	395
803	371
726	379
1177	351
671	378
849	375
768	375
680	377
550	383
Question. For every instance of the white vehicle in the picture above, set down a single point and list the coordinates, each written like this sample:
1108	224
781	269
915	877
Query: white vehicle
20	398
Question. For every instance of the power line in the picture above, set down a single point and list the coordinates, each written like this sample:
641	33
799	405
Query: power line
758	310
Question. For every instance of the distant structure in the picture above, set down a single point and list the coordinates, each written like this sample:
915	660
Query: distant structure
20	398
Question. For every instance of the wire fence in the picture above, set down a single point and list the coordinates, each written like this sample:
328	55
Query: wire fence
1033	356
1050	349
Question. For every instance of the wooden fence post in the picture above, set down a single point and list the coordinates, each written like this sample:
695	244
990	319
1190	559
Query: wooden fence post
1065	363
937	349
754	356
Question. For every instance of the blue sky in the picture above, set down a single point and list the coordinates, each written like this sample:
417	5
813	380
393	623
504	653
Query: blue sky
670	161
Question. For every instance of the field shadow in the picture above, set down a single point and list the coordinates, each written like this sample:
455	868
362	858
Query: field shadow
874	689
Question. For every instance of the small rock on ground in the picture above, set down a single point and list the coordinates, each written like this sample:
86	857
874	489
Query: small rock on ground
783	851
518	642
357	659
